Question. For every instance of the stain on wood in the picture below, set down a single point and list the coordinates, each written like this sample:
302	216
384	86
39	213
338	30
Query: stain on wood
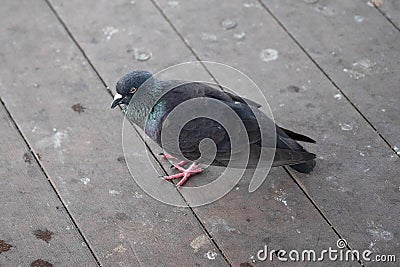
121	159
41	263
4	247
290	89
293	88
44	235
78	108
121	216
276	213
27	158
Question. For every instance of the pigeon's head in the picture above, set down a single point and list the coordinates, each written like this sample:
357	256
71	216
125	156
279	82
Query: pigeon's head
128	85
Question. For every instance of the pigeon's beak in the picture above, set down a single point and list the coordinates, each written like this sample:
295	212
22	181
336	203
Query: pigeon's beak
117	99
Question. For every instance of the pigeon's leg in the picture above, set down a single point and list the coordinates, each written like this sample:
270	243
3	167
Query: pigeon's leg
184	173
166	156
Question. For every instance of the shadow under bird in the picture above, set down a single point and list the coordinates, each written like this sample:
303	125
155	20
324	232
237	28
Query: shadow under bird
150	101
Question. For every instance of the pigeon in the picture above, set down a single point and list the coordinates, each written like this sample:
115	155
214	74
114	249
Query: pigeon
148	102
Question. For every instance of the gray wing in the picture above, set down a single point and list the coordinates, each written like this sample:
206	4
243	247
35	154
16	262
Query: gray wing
200	128
288	151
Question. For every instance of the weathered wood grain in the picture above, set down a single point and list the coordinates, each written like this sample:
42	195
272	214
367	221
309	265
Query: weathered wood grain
356	181
67	121
45	80
33	222
391	9
113	32
358	48
241	223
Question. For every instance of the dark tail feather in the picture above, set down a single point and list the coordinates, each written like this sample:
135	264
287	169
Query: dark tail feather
305	167
286	140
297	136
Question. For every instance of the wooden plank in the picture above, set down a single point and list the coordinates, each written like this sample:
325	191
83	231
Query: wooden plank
122	34
391	9
277	215
356	180
357	47
33	223
240	223
63	110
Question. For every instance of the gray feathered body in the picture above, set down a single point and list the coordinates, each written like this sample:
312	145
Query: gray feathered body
154	101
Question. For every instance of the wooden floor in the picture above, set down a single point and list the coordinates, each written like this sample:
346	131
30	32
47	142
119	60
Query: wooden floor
67	196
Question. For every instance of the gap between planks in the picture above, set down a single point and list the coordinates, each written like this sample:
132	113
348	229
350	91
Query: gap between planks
294	178
152	153
269	11
36	157
213	77
389	19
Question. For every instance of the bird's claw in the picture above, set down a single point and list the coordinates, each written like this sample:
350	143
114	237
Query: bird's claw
166	156
184	173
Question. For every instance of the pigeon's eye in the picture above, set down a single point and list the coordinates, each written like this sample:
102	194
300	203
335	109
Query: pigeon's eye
133	89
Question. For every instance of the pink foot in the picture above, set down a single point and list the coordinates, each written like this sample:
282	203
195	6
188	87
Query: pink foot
166	156
184	173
